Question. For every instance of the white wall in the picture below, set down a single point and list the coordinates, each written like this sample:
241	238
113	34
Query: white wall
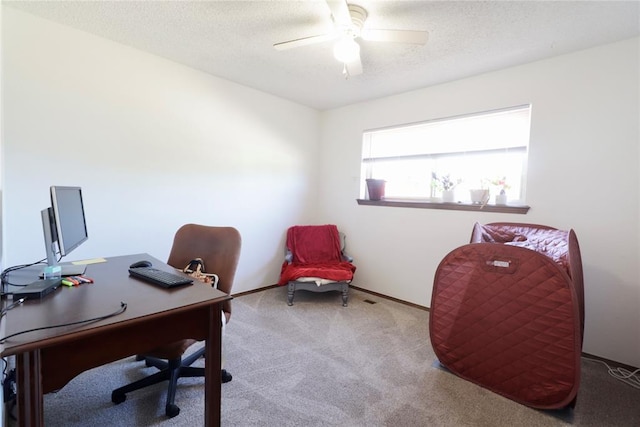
135	130
583	174
2	324
154	145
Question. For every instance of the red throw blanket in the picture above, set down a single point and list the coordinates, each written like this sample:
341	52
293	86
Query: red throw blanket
316	253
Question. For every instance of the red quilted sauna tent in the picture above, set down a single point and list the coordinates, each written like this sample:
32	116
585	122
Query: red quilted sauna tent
507	313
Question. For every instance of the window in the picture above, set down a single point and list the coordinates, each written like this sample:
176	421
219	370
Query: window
478	151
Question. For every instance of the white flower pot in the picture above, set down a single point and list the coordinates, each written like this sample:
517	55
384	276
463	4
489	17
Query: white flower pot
480	196
501	199
448	196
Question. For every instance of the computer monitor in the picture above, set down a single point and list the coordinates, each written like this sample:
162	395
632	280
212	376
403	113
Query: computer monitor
64	226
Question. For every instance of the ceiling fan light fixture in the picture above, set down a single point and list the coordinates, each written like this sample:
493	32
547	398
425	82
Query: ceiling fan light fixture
346	50
349	25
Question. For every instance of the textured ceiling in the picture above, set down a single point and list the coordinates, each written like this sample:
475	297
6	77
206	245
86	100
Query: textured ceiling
234	39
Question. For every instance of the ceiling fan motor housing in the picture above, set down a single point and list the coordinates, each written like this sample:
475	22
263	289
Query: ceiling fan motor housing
358	16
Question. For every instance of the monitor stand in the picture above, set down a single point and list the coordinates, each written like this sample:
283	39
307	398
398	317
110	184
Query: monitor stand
70	270
73	270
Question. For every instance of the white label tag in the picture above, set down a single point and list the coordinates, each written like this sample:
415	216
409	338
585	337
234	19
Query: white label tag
504	264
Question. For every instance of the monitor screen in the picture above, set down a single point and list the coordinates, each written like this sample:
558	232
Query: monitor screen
69	219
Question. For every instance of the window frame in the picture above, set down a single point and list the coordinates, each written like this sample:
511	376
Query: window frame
368	160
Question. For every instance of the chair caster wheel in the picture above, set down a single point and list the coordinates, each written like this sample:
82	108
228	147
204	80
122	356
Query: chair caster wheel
172	410
118	397
226	376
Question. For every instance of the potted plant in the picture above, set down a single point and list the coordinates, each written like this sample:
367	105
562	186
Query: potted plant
445	184
480	195
502	187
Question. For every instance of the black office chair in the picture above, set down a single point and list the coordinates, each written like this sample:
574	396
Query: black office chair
219	248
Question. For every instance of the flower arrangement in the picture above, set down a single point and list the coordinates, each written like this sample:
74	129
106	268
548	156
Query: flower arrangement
501	183
444	182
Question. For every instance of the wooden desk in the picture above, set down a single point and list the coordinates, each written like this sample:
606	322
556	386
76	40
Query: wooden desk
48	359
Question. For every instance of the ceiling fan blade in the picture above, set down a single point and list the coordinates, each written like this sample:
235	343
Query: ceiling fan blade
340	12
395	36
304	41
354	67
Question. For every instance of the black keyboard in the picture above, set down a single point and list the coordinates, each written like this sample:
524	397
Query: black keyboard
159	277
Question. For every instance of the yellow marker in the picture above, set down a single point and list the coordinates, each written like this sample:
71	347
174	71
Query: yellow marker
67	283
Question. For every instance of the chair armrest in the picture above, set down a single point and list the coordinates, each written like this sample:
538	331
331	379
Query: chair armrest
343	244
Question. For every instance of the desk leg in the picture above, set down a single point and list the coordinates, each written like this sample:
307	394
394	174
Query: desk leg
213	379
29	382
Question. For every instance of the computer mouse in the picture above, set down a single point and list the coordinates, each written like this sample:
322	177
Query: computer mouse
139	264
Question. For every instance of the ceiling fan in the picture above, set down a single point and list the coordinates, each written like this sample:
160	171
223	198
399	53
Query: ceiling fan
349	22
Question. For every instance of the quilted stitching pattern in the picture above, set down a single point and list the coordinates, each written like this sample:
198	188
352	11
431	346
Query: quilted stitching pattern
550	242
514	330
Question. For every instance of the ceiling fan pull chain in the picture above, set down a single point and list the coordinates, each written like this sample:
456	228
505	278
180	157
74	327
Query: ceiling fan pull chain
345	72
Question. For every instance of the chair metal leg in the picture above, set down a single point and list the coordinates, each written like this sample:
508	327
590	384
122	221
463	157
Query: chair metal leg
152	362
291	288
171	409
226	376
188	361
169	371
345	294
119	395
191	371
343	287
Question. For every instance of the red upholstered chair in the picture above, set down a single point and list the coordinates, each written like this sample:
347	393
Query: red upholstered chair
315	261
219	248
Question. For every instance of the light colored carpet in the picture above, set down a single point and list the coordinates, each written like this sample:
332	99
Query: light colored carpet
320	364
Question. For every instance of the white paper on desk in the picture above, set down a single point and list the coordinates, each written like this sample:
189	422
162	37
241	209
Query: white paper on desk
89	261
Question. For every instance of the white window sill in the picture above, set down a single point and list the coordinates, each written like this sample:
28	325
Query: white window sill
458	206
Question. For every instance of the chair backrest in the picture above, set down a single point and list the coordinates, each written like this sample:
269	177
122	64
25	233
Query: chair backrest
314	243
219	248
